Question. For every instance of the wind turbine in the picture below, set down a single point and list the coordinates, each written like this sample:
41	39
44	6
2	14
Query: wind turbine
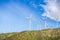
57	22
30	21
45	23
38	26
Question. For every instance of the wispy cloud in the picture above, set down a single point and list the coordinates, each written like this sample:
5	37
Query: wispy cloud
52	9
13	17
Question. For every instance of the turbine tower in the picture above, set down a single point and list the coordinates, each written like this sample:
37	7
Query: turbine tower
30	21
38	26
45	23
57	23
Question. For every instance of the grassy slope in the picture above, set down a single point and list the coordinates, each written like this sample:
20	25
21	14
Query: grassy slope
47	34
6	35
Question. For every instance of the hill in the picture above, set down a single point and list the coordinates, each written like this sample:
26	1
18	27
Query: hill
46	34
6	35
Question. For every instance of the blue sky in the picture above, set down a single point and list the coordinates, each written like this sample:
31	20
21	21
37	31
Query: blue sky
14	13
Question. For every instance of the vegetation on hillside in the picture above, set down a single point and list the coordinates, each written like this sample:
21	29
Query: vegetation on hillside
47	34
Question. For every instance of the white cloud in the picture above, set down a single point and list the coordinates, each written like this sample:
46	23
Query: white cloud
52	9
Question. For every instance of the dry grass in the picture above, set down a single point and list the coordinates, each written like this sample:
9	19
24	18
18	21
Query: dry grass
47	34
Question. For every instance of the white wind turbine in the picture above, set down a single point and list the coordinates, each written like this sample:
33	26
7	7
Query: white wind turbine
45	22
57	24
38	26
30	21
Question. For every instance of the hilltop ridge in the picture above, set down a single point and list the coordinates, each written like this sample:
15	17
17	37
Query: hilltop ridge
46	34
